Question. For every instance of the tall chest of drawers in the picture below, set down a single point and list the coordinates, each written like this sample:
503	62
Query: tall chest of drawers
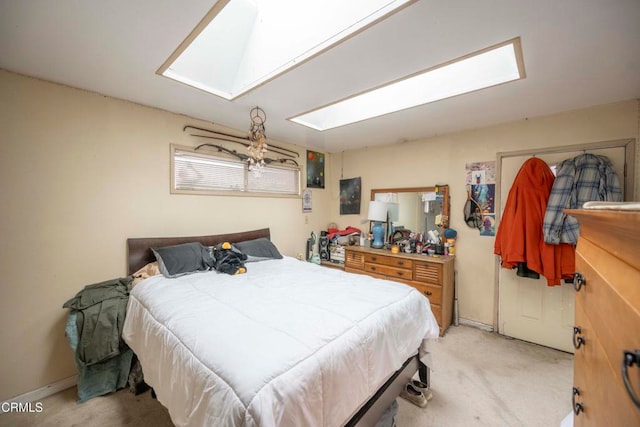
606	375
433	277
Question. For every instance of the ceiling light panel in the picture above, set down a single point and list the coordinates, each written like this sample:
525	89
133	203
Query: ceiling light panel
241	44
489	67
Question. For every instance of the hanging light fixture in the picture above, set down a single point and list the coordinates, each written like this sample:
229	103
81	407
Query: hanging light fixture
257	140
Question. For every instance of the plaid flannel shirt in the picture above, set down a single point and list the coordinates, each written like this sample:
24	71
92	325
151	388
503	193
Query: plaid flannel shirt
584	178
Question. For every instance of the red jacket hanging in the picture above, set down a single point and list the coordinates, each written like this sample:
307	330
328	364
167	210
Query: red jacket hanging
520	238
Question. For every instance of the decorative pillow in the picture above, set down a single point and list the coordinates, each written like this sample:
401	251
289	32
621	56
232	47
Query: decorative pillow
258	249
145	272
186	258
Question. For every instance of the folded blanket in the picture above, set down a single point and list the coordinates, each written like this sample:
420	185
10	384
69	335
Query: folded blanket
612	206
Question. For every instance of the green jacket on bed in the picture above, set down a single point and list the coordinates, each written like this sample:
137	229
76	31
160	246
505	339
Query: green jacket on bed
101	310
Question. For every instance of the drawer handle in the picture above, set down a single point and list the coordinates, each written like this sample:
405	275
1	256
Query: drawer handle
400	262
629	359
578	281
373	269
373	258
427	293
399	273
577	340
577	407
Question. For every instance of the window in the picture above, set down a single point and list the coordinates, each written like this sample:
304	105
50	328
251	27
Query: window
240	44
489	67
214	173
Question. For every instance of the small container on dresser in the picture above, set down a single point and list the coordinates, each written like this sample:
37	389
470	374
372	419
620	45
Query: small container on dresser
606	373
433	277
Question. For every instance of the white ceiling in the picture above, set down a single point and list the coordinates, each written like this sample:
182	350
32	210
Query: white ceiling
577	53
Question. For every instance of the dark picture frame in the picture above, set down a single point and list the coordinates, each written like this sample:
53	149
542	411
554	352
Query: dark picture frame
350	196
315	169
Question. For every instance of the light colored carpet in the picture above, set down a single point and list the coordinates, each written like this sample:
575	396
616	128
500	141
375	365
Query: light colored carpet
478	379
484	379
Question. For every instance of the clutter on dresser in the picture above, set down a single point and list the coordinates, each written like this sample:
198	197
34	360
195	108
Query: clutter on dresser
349	236
337	254
430	243
330	251
415	219
332	242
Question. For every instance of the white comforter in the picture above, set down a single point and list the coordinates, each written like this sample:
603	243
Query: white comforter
289	343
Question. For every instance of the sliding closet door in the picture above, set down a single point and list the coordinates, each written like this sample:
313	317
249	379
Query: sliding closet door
528	308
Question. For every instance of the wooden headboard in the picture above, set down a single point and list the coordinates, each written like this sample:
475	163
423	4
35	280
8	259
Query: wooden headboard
139	251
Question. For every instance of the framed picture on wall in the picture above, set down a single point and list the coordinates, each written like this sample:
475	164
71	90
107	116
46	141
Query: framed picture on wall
350	194
315	169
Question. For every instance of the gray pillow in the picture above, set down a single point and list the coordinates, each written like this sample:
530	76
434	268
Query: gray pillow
186	258
258	249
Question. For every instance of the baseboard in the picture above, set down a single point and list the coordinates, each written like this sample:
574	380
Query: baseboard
46	391
473	323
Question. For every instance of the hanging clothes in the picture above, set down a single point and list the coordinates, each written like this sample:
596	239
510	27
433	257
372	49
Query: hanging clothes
520	239
585	178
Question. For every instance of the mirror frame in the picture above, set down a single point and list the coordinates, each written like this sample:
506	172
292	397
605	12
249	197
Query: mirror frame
440	189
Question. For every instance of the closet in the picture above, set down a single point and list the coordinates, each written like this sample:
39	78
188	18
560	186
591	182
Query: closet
527	308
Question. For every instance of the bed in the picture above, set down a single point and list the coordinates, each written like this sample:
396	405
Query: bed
288	343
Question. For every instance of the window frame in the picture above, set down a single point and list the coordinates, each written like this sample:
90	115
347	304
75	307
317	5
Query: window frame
225	157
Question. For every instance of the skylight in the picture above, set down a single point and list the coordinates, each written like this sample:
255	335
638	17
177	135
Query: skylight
489	67
241	44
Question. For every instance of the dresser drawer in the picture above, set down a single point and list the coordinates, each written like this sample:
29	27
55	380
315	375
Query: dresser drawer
395	272
609	305
427	272
434	293
382	276
378	276
599	381
354	259
387	260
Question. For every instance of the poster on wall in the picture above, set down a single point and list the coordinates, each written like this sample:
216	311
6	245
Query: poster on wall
481	184
315	169
350	194
307	201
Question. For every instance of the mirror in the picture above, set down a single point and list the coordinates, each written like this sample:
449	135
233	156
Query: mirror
419	209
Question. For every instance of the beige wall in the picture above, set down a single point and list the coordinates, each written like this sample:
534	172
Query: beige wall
79	173
442	160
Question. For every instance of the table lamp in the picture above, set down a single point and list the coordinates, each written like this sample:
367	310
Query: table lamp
377	214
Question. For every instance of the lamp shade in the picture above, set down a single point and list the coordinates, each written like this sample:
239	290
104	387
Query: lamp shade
377	211
394	211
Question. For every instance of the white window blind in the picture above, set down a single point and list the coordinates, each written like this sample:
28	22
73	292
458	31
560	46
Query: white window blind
203	172
273	179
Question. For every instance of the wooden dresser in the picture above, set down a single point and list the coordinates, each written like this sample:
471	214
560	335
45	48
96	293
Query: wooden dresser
607	319
433	277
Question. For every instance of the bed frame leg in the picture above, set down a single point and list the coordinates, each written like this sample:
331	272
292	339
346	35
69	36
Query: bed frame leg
424	373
